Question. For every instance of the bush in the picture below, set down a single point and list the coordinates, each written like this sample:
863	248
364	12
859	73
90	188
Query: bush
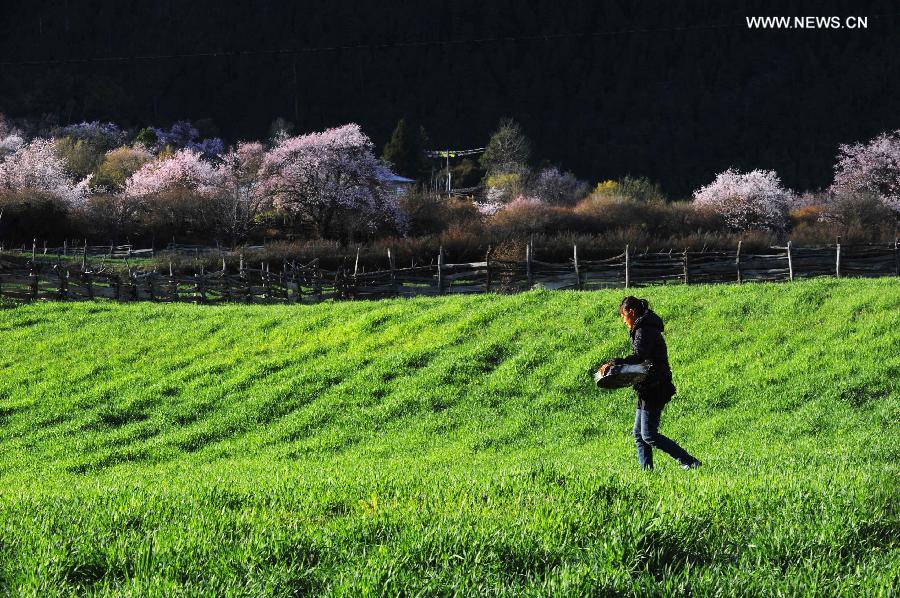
525	216
553	186
108	216
180	214
503	187
31	214
640	189
600	212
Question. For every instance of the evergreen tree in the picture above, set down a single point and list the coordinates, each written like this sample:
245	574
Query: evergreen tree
406	150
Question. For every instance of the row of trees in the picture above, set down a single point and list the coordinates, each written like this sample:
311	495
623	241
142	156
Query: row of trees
329	183
94	179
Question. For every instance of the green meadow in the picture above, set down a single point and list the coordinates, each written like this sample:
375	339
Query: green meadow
452	445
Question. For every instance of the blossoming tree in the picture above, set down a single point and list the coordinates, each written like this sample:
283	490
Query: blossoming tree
323	176
873	168
554	186
174	194
240	189
755	199
37	167
185	169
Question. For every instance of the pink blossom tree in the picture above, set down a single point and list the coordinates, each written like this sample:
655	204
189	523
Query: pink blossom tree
240	191
37	167
174	195
753	200
321	177
872	168
185	169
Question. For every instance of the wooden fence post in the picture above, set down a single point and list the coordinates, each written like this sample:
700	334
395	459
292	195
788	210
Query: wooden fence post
440	270
89	284
627	272
65	248
577	273
737	262
529	251
790	263
687	279
837	263
318	282
173	284
34	283
393	274
33	249
63	286
201	287
487	267
897	255
84	257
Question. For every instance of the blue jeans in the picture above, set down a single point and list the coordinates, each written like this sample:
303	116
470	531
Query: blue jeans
647	437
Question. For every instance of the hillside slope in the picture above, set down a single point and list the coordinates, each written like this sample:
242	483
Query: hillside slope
451	444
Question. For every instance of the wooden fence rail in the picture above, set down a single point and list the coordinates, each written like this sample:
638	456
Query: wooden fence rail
308	283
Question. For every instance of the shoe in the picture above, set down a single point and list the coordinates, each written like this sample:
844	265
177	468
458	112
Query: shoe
692	465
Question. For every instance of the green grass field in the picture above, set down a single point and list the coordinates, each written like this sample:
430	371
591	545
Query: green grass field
451	445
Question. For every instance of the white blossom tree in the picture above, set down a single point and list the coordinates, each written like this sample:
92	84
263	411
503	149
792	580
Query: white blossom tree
872	168
321	176
37	167
753	200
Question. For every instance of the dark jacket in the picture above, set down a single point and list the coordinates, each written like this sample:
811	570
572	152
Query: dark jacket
648	344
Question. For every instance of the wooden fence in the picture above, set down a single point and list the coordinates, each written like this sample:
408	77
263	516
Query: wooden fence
308	283
112	251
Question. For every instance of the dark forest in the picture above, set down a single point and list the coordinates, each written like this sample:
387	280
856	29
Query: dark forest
672	91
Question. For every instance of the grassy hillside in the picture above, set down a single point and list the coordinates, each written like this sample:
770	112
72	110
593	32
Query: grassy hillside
451	444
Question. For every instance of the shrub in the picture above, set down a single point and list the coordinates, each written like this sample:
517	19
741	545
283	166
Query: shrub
863	210
28	214
180	213
555	187
426	213
504	187
640	189
528	215
113	216
602	211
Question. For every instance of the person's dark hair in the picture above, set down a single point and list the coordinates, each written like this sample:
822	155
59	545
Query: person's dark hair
640	306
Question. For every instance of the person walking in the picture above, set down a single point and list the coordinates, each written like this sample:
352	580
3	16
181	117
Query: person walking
648	345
